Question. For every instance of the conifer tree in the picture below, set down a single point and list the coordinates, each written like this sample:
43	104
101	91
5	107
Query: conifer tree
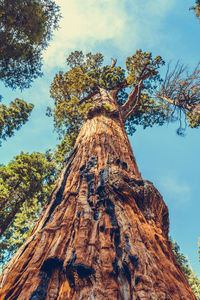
104	232
26	28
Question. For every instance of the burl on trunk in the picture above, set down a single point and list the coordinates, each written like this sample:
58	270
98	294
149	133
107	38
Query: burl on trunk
104	234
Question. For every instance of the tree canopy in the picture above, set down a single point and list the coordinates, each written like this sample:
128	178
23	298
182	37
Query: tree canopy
26	28
192	278
25	187
144	97
13	117
23	178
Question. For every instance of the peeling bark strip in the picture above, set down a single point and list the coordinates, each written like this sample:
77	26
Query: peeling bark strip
104	234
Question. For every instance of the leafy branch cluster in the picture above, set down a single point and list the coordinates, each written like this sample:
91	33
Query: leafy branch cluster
13	117
25	187
73	90
196	9
192	278
25	30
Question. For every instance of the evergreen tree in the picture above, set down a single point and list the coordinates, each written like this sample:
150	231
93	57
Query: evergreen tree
25	29
25	187
13	117
152	101
104	232
192	278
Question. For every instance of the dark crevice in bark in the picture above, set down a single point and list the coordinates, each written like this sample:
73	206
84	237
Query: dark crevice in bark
41	292
58	197
108	238
134	260
46	271
50	264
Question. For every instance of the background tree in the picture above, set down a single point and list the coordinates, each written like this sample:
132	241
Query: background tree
25	187
13	117
192	278
25	30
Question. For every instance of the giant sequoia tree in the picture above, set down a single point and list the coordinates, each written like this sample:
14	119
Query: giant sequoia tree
104	233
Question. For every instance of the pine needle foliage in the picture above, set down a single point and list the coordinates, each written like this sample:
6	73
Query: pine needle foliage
192	278
26	27
13	117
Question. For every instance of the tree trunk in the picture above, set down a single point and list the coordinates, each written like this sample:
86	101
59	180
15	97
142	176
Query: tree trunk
104	234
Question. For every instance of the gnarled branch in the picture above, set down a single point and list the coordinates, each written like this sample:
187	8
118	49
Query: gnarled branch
131	99
89	96
180	88
132	109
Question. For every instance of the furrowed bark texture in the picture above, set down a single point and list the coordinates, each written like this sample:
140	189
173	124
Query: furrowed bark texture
104	234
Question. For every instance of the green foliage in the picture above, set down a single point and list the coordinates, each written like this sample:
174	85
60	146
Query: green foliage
193	119
25	178
86	74
194	282
149	113
141	66
182	260
13	117
197	9
199	250
25	187
192	278
61	153
19	230
26	28
107	107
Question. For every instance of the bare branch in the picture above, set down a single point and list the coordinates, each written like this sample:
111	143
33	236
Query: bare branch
170	101
114	61
180	87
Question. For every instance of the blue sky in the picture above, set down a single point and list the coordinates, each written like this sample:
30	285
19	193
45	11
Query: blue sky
117	28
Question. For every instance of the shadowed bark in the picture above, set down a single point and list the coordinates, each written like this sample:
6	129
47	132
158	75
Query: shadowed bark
104	234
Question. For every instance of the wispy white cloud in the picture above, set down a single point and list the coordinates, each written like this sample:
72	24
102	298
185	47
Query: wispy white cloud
87	22
173	188
82	24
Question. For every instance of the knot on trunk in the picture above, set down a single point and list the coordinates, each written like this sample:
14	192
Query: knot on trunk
102	108
142	192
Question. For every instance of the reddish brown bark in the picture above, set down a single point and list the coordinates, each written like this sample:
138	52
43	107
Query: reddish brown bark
104	234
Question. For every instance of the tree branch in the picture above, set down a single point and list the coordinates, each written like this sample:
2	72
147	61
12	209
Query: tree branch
131	98
89	96
181	88
171	101
114	61
116	90
135	107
